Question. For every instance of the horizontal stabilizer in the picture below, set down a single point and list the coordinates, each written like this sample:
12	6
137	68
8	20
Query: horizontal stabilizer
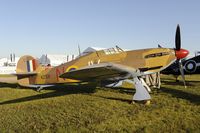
25	75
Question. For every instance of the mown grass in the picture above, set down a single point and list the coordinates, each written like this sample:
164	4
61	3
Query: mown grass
85	109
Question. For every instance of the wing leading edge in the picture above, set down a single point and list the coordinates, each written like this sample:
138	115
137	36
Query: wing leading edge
101	71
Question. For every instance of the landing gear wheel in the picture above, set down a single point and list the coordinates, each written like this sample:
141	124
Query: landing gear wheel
147	102
132	102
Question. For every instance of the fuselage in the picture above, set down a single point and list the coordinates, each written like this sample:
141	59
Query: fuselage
146	60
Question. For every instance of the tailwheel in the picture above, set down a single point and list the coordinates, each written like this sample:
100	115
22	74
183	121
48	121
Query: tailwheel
38	89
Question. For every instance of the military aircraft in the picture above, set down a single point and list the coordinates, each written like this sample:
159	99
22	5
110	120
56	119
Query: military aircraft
190	66
104	66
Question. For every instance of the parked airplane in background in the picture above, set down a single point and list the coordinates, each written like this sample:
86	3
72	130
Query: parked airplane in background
55	59
190	66
103	66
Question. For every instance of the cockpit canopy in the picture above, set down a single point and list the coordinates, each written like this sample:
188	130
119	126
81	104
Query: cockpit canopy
107	51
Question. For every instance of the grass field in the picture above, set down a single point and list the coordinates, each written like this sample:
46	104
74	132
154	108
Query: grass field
85	109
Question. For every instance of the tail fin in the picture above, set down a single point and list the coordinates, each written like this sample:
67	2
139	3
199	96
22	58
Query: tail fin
27	64
26	70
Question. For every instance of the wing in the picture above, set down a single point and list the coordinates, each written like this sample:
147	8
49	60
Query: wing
110	72
103	71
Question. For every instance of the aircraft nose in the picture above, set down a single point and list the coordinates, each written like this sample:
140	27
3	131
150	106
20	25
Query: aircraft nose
182	53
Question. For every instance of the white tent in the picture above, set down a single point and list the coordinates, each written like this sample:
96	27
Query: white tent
8	65
8	62
3	61
90	50
55	60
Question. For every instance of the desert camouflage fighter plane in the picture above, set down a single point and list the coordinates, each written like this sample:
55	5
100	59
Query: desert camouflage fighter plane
104	66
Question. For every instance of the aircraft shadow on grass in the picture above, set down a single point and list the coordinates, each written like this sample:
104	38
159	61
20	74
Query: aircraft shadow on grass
193	98
57	91
8	85
115	98
171	82
129	91
62	90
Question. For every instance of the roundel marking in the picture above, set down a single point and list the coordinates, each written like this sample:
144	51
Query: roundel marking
71	68
190	66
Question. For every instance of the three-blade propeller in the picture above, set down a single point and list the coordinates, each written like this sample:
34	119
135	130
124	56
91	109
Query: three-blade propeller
180	53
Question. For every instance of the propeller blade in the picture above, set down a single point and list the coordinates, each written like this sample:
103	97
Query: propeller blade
180	53
178	38
182	72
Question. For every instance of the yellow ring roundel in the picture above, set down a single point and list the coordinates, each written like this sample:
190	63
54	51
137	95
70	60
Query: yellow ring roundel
71	68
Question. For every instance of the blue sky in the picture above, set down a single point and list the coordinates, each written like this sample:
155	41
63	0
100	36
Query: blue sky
38	27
